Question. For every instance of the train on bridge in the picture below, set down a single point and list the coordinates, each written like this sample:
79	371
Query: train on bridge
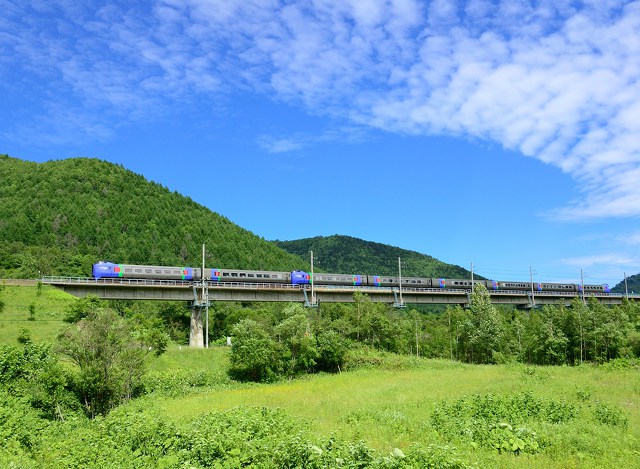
298	277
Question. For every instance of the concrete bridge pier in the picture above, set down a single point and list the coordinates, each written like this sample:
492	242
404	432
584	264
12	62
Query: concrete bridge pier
199	309
196	334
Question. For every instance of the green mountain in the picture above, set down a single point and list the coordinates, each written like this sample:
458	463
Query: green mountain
344	254
633	285
59	217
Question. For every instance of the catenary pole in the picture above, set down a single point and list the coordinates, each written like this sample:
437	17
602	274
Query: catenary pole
400	280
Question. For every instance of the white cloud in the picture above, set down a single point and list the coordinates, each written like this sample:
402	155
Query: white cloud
281	145
599	259
555	80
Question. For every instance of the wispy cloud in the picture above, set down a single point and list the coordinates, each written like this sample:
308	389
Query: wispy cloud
282	145
598	260
557	81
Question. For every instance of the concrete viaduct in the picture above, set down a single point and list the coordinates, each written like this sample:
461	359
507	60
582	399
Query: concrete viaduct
199	296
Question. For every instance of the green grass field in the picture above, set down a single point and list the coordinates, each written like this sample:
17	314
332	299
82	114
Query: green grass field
49	303
392	408
391	405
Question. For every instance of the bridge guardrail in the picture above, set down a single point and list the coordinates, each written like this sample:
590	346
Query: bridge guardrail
319	288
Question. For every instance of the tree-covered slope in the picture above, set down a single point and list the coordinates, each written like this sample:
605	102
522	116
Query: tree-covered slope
344	254
633	285
59	217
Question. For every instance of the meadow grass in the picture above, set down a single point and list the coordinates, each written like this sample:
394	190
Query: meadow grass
388	406
49	303
392	408
215	359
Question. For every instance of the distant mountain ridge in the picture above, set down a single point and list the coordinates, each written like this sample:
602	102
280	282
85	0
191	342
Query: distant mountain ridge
345	254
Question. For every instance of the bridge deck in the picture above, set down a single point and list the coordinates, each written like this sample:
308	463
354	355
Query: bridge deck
178	290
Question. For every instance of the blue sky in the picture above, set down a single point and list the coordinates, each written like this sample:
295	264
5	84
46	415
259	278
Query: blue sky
500	133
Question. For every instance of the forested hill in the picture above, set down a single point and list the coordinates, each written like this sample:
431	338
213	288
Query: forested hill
633	285
344	254
59	217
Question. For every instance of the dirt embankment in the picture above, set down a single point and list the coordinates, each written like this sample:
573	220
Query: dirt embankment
18	282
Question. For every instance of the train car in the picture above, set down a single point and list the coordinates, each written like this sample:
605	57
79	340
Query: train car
105	269
466	284
249	276
389	281
604	288
522	286
559	287
339	279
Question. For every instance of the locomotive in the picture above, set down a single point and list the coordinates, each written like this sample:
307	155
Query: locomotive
105	269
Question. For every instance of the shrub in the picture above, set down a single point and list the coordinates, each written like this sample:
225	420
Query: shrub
500	422
254	355
610	415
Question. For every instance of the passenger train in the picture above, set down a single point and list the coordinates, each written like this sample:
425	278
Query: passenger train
298	277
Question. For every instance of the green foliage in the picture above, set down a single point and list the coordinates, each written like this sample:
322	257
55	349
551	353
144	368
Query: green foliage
633	285
332	351
254	355
24	337
178	382
67	214
82	307
109	354
33	373
500	422
344	254
485	333
299	352
610	415
137	436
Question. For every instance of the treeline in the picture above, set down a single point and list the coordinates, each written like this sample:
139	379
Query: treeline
59	217
268	343
271	341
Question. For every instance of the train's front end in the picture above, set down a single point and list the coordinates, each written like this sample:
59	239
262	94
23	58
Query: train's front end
300	277
106	269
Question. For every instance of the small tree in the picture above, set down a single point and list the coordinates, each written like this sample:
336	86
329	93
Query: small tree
332	350
110	359
298	346
487	329
254	355
82	307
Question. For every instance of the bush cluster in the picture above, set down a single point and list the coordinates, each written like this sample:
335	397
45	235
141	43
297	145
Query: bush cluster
500	422
137	436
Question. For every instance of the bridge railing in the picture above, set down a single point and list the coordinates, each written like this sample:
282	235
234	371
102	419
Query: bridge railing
324	288
116	281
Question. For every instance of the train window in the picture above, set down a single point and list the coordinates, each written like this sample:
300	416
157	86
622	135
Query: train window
250	275
137	271
259	275
225	274
147	271
243	275
127	270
